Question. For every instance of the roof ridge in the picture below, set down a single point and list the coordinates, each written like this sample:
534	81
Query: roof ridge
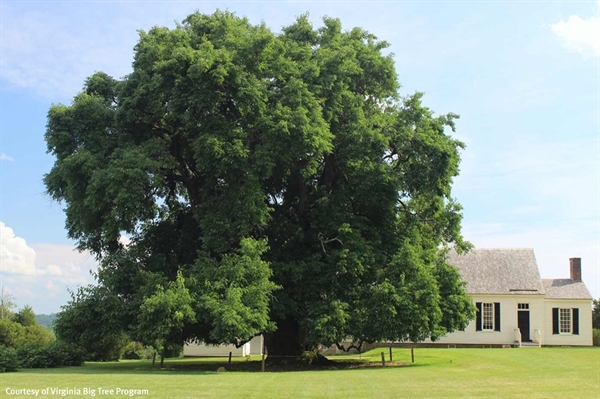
503	249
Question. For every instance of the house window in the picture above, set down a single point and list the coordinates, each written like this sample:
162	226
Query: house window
565	321
488	316
523	306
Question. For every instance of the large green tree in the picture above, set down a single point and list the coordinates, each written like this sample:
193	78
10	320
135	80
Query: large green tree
280	175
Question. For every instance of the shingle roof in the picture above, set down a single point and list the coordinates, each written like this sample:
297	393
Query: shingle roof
565	288
499	271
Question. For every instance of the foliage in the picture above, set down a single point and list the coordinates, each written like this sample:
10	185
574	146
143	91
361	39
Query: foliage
7	304
69	354
55	354
310	356
596	337
134	350
596	314
91	321
35	334
9	359
26	317
14	334
173	350
10	333
267	181
165	313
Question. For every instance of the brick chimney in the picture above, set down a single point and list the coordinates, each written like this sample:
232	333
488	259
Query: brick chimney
575	264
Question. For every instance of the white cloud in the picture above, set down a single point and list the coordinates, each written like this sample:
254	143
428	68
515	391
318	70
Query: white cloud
580	34
35	272
59	261
52	288
64	264
15	255
4	157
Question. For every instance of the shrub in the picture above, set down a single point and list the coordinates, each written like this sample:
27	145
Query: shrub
310	356
35	334
66	353
9	359
173	350
10	333
134	350
13	334
35	357
596	337
54	354
149	352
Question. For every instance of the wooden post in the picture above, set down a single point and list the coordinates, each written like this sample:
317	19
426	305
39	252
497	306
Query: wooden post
264	352
383	359
229	357
412	353
391	360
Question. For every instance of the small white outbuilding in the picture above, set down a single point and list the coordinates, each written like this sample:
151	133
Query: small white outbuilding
253	347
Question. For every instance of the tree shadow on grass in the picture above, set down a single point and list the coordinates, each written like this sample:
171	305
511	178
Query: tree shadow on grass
287	365
210	367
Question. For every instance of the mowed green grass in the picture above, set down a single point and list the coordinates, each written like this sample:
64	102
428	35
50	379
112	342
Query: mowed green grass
437	373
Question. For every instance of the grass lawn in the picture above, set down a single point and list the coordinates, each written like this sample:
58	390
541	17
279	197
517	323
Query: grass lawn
437	373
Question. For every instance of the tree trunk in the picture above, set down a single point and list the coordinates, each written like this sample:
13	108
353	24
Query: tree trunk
162	358
154	358
286	341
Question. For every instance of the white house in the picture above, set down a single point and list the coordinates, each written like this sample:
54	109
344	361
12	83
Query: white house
516	306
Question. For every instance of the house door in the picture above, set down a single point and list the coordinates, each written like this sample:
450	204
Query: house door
524	325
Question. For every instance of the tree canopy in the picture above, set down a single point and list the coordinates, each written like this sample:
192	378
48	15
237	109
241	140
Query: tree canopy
269	183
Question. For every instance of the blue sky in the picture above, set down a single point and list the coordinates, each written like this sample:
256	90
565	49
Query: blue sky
524	77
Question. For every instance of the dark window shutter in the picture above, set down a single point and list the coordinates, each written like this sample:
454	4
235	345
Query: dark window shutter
478	320
554	320
497	316
575	321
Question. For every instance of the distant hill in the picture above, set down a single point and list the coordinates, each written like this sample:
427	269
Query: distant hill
45	320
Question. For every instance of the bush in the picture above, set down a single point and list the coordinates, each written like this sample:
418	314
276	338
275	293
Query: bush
596	337
10	333
13	334
9	359
68	354
149	352
35	334
310	356
35	357
173	350
134	350
54	354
